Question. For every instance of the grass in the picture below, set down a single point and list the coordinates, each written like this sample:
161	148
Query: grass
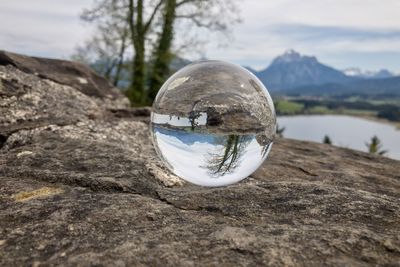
286	107
319	110
357	112
385	101
322	110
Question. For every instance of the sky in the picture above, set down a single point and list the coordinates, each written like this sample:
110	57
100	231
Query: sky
190	161
340	33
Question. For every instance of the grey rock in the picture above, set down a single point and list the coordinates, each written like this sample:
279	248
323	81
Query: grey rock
80	184
68	73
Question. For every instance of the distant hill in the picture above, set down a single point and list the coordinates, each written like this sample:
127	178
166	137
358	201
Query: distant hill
373	87
293	73
292	70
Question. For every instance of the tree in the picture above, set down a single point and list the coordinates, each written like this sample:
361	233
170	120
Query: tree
106	51
327	140
162	54
375	146
229	158
142	32
139	32
280	130
212	15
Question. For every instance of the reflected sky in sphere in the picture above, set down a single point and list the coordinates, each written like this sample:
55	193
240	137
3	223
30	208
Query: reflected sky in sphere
199	157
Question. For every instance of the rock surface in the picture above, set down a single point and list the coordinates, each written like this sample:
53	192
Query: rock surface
80	184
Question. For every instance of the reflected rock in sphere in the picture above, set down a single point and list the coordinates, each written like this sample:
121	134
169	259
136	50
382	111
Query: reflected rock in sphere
213	123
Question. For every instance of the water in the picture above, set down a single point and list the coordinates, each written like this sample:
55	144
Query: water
213	123
345	131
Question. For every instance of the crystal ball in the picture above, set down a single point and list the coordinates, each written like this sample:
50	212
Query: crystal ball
213	123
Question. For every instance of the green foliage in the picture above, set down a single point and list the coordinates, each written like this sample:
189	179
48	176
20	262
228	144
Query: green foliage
391	113
318	110
285	107
327	140
388	109
375	146
382	108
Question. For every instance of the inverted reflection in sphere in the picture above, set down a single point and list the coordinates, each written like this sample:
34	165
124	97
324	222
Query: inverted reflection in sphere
213	123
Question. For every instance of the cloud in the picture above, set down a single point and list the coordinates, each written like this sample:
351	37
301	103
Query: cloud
332	32
330	29
42	27
327	29
361	14
258	46
328	39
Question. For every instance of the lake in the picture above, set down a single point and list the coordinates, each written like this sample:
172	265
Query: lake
345	131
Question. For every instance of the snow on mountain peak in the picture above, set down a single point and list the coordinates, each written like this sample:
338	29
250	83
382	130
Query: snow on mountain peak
293	56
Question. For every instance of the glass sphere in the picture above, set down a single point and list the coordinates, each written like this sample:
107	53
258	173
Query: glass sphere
213	123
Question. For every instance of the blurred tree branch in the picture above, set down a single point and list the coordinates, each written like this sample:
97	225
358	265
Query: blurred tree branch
142	33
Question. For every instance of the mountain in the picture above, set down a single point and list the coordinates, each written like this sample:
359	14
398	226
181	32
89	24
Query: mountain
250	69
357	72
292	70
293	73
178	63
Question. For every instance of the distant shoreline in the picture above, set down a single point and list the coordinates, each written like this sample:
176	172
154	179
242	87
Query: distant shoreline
366	117
367	109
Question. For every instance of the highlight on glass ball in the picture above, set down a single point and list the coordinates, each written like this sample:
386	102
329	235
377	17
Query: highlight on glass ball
213	123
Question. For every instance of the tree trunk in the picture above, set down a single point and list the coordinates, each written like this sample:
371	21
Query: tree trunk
162	55
138	81
136	92
120	57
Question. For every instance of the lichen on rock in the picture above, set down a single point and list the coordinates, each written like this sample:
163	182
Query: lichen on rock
38	193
